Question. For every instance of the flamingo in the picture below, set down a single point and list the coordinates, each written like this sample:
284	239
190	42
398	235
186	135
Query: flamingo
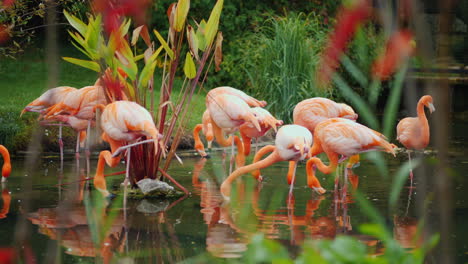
207	129
310	112
292	143
122	122
248	130
79	103
229	108
46	100
339	136
6	169
413	132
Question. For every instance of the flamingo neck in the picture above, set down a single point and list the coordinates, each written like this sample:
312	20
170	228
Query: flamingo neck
321	166
5	154
226	186
240	158
6	169
423	121
196	137
218	133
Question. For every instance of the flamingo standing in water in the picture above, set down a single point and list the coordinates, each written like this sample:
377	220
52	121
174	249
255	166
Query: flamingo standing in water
229	108
207	129
292	143
122	122
42	103
413	132
249	131
310	112
339	136
6	169
80	104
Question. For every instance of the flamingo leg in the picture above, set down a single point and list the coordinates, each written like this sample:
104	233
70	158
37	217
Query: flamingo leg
293	176
232	155
60	141
88	133
77	149
411	169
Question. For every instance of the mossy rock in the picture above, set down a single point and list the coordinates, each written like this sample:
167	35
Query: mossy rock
137	194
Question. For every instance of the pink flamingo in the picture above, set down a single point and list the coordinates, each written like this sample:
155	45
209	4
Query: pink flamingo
413	132
339	136
292	143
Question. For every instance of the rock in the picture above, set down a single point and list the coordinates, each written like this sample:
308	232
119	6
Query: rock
148	207
149	186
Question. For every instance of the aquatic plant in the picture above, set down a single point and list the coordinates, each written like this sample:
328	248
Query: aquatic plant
107	42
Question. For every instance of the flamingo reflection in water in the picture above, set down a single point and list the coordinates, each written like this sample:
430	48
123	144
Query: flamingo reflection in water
73	231
223	239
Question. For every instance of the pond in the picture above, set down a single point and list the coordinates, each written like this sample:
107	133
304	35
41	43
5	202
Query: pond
54	225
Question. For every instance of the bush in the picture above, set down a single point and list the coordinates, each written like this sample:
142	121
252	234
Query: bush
280	61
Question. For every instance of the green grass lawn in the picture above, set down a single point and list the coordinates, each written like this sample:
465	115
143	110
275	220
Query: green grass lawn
24	79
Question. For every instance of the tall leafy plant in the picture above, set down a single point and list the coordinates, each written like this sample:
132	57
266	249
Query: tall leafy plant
282	72
111	47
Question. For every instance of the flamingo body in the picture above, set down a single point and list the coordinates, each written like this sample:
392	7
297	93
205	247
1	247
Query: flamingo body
48	99
310	112
413	132
339	136
6	168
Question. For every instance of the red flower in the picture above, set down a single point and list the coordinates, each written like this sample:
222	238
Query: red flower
399	47
347	23
113	12
7	255
4	33
8	3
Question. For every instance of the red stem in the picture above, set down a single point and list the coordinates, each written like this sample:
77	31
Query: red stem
173	181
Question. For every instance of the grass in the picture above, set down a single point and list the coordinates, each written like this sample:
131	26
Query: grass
25	79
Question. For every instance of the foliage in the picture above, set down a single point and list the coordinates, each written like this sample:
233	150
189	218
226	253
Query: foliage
22	20
108	46
281	60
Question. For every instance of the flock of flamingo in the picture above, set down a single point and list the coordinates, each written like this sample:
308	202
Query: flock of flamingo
320	126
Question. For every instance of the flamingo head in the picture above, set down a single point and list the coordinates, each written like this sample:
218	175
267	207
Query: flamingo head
428	102
348	112
252	118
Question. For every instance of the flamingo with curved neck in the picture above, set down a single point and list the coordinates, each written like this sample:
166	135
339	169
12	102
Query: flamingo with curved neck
6	169
413	132
292	143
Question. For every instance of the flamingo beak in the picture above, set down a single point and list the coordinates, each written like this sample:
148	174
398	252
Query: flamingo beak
272	122
253	119
431	107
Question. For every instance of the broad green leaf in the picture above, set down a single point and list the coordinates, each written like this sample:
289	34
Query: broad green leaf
148	70
361	106
164	44
125	27
84	63
189	66
393	102
182	9
354	71
75	22
213	23
78	38
146	74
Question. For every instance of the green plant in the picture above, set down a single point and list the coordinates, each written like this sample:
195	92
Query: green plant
282	71
108	46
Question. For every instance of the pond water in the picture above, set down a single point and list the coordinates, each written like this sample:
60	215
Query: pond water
53	220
